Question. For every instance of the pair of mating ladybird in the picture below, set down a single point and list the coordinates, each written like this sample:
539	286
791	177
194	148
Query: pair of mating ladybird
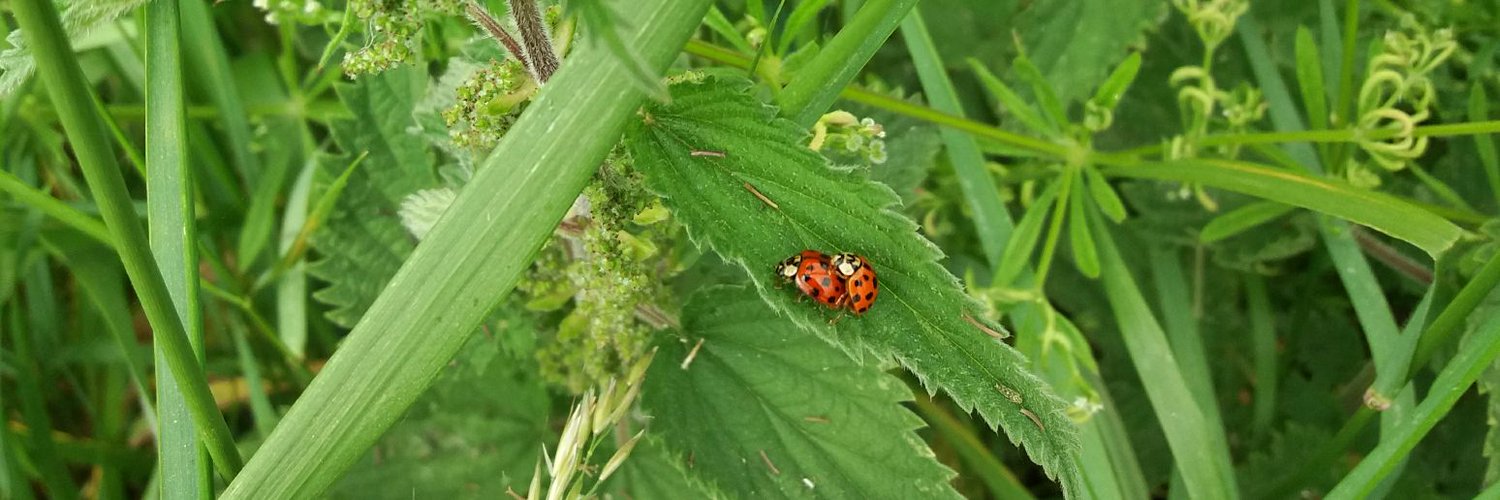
843	280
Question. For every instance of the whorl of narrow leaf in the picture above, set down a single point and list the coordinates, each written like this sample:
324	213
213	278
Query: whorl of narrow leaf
768	411
768	196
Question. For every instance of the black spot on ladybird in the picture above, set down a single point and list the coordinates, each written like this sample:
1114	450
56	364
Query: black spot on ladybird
869	295
815	292
856	299
859	283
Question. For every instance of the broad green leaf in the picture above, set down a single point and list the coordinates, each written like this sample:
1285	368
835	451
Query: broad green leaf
1084	254
1010	102
1023	240
922	318
1108	94
1242	219
1104	195
1376	210
362	242
765	410
652	472
1075	42
1310	79
478	430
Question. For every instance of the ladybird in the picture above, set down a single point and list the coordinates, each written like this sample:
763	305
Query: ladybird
813	274
859	279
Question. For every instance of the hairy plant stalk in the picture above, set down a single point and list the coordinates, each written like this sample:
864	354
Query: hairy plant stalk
543	60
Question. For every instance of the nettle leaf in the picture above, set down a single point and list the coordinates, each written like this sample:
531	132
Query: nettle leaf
769	411
477	431
922	319
652	472
1076	44
362	243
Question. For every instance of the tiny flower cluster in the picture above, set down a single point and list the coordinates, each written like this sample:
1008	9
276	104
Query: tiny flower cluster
391	29
488	103
841	130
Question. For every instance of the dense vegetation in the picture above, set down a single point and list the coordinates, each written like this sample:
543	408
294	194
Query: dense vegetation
437	248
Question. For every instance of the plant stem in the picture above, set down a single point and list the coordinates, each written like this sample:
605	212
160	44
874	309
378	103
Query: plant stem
818	84
534	36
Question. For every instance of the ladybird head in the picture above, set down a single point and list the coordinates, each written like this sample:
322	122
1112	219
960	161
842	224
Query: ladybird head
787	269
846	264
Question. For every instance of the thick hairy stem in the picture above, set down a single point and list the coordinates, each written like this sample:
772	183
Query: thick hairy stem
482	17
543	60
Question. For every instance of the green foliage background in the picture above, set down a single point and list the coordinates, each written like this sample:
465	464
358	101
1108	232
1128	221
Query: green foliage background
1127	249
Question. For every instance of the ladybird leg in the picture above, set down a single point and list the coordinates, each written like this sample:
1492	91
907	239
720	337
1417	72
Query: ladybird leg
836	319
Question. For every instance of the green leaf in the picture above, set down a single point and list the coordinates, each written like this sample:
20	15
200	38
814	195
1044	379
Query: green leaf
1074	43
1479	110
1310	79
603	26
652	472
804	13
362	242
920	319
478	430
987	210
1376	210
1023	240
1104	195
1010	102
1054	110
1242	219
1199	448
766	410
1084	254
1108	94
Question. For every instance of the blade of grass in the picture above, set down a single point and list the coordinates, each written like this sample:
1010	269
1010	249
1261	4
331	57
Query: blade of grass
1310	79
214	78
33	409
468	262
991	221
1199	450
1334	197
291	287
66	86
814	88
1453	381
1263	338
1479	110
1181	326
172	229
50	206
1448	322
